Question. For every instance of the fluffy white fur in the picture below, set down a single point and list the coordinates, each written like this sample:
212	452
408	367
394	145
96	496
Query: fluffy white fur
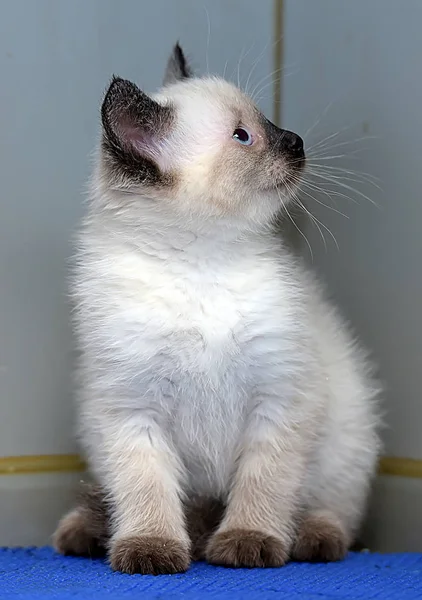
211	362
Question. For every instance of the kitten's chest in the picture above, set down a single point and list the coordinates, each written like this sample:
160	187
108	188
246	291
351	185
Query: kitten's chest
201	325
207	326
179	321
204	353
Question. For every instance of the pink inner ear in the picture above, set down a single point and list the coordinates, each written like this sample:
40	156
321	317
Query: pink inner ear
135	138
143	142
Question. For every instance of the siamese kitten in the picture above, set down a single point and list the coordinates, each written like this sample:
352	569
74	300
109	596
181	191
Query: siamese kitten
211	364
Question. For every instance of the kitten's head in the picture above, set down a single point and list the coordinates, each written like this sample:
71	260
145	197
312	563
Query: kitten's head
199	146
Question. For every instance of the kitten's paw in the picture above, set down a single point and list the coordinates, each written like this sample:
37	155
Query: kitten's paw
149	555
73	536
319	539
245	548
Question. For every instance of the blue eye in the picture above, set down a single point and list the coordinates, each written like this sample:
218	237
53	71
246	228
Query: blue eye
242	136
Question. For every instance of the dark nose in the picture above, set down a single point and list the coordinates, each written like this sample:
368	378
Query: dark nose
293	144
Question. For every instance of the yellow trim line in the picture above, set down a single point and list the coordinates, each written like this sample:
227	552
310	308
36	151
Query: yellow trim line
72	463
44	463
401	467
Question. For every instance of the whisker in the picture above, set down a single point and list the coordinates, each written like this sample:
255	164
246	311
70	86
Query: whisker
239	62
341	183
242	58
334	179
252	94
318	121
319	150
257	95
313	217
328	169
322	203
330	193
339	176
294	223
257	61
254	65
319	145
329	137
238	67
313	158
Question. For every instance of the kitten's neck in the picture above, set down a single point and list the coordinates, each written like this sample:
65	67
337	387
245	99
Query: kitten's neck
151	225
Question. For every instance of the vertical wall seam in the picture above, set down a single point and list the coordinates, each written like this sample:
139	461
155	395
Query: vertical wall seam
278	11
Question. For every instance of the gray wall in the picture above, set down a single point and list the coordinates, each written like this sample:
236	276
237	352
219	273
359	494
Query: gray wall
350	67
56	57
356	72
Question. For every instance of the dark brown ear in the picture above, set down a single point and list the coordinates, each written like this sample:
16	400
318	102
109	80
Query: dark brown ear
134	126
177	66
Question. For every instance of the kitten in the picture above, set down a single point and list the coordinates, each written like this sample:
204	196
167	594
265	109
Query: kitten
211	364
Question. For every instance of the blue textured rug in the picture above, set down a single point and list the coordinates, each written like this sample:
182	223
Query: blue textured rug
40	573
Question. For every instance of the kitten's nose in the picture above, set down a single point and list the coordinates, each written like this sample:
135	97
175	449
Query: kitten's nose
285	143
293	144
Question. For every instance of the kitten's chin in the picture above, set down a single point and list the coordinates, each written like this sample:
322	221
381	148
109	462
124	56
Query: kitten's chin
288	181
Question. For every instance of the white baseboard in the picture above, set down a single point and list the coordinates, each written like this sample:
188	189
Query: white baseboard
394	521
31	506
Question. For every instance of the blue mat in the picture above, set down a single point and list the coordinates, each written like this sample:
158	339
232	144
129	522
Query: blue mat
41	574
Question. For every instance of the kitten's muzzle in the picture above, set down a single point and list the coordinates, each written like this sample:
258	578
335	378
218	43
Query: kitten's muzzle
285	143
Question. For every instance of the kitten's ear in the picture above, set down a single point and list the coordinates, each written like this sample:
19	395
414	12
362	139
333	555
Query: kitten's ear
177	66
134	126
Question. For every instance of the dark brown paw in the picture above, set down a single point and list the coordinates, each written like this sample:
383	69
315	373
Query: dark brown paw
318	539
73	537
149	556
244	548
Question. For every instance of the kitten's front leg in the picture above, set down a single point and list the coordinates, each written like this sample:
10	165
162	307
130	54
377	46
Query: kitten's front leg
258	525
142	474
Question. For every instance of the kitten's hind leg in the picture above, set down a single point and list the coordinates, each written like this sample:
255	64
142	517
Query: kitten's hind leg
84	530
320	537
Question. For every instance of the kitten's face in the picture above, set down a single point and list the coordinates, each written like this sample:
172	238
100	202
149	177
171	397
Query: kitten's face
200	145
